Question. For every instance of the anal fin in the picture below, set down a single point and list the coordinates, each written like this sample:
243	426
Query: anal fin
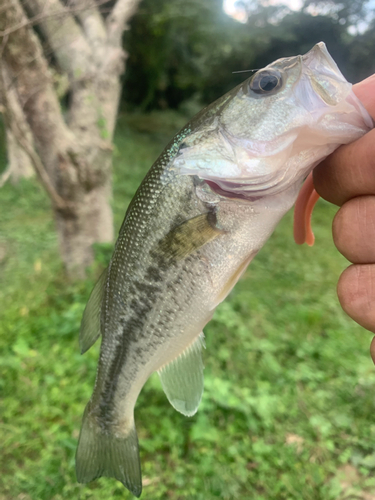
182	379
90	324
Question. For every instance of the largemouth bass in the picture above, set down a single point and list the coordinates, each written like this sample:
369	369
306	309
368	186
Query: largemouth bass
206	207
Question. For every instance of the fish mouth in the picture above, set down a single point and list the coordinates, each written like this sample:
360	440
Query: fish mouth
321	85
232	194
320	55
249	192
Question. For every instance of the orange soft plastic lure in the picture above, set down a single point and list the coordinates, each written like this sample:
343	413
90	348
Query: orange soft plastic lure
303	210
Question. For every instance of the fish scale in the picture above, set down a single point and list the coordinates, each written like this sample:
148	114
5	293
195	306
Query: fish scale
204	210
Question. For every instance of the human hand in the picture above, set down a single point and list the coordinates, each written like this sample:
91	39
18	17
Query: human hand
347	179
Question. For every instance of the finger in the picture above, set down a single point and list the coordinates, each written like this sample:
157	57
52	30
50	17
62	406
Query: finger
356	292
365	92
348	172
372	349
354	230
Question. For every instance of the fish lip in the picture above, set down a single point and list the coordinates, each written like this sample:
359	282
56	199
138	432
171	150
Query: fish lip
319	48
322	85
319	57
319	54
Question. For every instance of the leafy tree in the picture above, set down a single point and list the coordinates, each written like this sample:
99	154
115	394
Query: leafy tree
173	46
346	12
180	49
361	55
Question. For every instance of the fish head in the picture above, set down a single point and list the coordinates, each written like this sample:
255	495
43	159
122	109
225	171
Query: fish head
269	132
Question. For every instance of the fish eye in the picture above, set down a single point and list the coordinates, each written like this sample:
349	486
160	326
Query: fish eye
266	82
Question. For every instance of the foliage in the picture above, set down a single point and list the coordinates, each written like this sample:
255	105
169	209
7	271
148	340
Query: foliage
346	12
188	49
362	53
288	405
172	46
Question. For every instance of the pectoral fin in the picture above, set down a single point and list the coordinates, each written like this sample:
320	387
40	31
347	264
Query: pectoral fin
189	236
182	378
90	324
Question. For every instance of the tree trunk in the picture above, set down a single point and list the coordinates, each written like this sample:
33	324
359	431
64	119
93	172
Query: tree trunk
91	222
71	152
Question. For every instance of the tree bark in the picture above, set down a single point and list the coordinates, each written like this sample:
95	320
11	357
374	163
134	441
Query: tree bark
71	152
19	163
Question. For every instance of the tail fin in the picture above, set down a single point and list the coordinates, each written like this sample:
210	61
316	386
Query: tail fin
102	453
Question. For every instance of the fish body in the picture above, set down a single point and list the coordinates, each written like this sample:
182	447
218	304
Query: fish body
204	210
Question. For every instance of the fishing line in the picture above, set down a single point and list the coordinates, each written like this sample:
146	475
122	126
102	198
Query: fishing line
245	71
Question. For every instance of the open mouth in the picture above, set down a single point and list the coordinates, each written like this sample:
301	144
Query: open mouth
230	194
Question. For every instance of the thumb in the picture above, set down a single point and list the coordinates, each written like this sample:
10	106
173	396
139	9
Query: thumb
372	349
365	92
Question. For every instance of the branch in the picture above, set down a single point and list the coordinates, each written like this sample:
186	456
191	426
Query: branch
23	137
65	36
91	20
30	22
27	71
56	199
42	15
18	160
118	18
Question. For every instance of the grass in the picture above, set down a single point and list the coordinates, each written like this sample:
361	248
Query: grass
288	408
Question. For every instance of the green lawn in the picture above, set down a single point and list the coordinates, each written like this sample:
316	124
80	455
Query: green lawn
288	410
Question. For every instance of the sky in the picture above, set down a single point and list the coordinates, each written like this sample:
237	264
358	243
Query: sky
230	8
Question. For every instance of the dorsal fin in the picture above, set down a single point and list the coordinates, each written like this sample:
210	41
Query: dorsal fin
90	324
182	378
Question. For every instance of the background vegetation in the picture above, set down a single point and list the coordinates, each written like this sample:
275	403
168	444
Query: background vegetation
288	407
188	49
